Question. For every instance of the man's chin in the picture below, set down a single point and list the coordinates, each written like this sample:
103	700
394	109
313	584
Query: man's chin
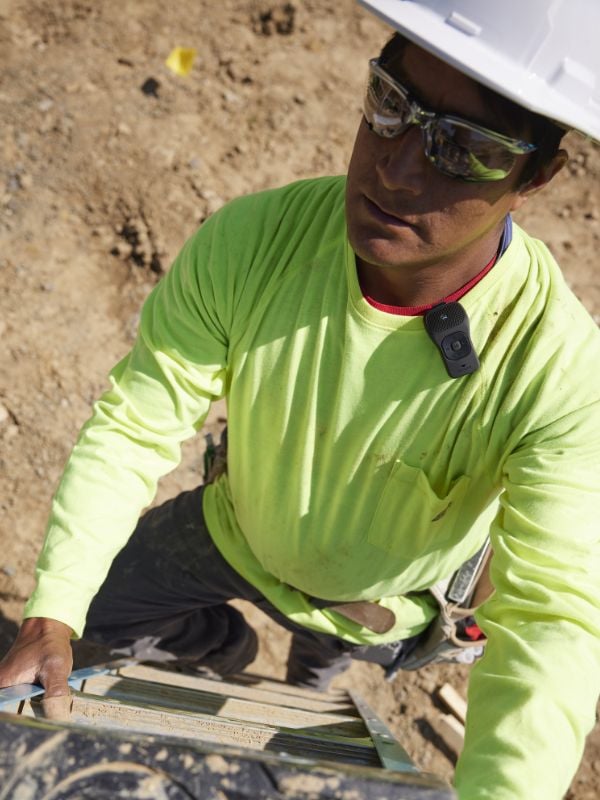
385	248
384	255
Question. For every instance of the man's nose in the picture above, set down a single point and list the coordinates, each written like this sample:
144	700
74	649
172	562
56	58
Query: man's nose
402	163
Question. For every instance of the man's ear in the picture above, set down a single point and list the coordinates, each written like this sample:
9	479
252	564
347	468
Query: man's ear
541	178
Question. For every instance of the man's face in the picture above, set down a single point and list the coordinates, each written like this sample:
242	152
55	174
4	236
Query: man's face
400	210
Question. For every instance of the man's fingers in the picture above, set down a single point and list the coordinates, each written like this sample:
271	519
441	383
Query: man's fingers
51	672
53	680
11	675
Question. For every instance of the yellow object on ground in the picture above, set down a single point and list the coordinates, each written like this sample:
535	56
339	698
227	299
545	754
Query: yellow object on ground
181	60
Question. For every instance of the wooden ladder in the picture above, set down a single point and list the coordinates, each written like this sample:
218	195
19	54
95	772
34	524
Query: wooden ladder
140	731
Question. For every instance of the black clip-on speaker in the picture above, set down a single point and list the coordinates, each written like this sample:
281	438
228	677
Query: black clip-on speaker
448	326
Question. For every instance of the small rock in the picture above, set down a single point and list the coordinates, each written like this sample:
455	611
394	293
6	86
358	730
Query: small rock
45	104
47	286
8	570
131	326
121	249
150	87
231	97
11	431
124	129
214	204
168	157
26	181
207	194
4	414
47	124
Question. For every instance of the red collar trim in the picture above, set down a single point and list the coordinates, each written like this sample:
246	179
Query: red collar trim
415	311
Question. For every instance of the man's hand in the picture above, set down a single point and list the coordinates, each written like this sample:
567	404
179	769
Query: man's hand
41	653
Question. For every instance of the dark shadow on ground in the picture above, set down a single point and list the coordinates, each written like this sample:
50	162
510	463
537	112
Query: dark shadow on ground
427	732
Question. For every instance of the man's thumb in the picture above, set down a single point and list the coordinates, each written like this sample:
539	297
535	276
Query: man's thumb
53	677
57	708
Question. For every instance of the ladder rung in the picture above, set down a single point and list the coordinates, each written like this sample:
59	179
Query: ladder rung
219	705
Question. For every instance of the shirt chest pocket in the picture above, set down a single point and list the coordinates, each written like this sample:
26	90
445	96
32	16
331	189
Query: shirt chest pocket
411	520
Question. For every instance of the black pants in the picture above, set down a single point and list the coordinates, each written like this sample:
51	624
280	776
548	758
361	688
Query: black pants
165	599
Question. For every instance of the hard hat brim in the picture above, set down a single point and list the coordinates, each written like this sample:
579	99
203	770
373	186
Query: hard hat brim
491	68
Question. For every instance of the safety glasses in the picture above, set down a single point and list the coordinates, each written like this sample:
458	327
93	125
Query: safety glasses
456	147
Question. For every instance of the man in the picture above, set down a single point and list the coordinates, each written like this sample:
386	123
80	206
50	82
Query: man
359	473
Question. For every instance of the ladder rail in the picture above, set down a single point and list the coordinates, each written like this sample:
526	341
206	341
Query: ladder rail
391	753
21	692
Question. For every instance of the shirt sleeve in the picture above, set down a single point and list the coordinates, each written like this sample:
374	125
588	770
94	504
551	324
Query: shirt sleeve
532	697
160	394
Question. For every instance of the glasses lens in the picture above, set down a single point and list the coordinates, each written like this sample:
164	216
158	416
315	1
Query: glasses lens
386	108
456	147
462	151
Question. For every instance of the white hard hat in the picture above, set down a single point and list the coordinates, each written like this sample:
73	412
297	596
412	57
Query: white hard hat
543	54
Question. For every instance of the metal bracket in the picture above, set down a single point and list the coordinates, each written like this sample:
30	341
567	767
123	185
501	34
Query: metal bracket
391	753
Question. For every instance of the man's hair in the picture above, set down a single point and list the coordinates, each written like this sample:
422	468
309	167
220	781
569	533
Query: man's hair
515	119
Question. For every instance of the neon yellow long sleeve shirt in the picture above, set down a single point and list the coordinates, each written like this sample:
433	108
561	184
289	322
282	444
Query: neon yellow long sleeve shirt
357	469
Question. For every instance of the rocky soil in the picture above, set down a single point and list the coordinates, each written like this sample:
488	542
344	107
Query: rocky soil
108	161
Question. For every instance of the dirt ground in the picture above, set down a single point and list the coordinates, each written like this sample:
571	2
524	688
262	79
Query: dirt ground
108	161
